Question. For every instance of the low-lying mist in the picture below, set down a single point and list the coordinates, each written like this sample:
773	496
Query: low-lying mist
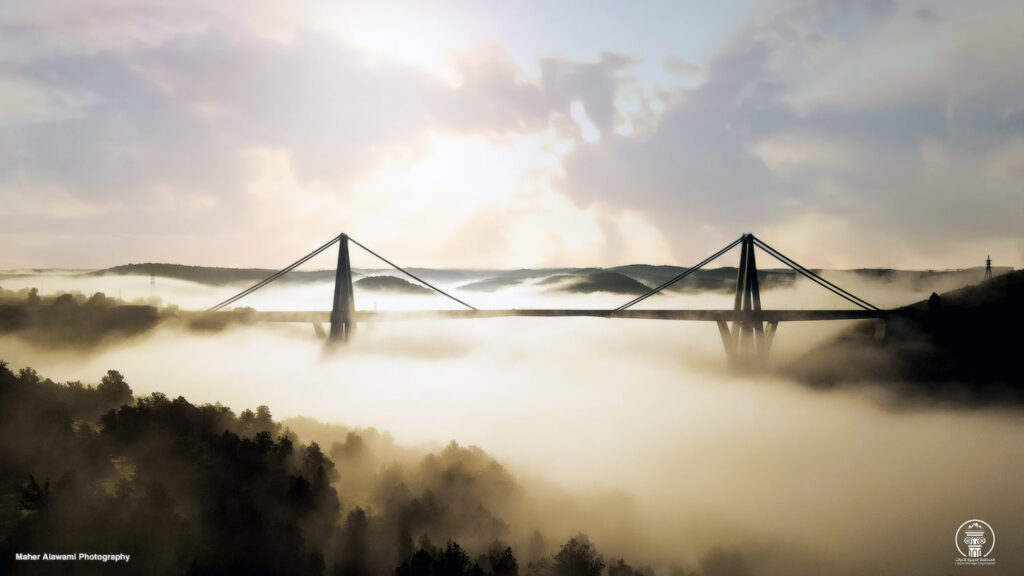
632	431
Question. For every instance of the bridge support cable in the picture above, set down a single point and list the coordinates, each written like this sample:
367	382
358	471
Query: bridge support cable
273	276
410	274
815	277
684	274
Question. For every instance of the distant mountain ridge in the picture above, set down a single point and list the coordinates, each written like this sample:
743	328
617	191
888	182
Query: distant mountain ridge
629	278
213	276
391	284
605	281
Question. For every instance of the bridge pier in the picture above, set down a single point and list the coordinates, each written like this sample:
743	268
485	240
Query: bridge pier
749	339
342	324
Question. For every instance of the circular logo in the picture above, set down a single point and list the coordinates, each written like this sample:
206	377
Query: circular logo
975	539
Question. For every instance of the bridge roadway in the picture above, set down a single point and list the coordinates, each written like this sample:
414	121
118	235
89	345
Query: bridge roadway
699	315
748	339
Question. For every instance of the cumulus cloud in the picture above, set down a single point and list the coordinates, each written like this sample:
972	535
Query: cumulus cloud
841	110
146	118
171	130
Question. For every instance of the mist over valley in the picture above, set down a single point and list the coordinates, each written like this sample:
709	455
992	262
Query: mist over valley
633	432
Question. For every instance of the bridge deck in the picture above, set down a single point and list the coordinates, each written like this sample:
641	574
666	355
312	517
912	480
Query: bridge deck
698	315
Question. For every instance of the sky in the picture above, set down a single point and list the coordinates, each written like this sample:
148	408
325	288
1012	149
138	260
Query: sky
511	134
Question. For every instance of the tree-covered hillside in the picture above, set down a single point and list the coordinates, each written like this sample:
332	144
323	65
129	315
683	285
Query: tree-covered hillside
187	489
951	346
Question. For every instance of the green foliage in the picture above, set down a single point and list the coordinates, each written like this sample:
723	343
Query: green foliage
578	558
195	489
500	561
620	568
452	560
171	483
941	349
72	320
606	281
212	276
114	388
186	488
391	284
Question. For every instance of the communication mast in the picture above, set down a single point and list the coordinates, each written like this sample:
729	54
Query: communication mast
988	267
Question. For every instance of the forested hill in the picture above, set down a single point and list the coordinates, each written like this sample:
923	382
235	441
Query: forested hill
214	276
197	489
180	488
631	278
952	346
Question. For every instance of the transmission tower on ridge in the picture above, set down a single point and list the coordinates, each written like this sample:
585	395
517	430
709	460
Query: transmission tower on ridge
988	267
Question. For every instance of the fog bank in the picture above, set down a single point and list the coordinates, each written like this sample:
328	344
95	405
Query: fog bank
631	431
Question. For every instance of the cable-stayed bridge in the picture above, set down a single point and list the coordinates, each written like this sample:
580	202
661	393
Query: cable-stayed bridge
747	329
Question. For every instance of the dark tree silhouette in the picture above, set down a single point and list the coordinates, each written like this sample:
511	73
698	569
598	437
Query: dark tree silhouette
500	561
114	389
196	490
161	479
577	558
353	546
620	568
429	560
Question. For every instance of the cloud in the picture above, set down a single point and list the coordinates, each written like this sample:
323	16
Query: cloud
56	204
824	110
860	112
926	14
496	196
785	154
21	102
179	131
680	67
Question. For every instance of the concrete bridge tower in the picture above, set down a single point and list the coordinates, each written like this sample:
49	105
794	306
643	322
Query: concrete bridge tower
749	338
342	324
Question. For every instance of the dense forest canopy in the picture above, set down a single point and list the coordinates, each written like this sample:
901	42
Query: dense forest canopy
187	489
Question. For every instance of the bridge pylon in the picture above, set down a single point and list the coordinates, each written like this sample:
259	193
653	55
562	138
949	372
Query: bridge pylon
747	331
749	338
342	322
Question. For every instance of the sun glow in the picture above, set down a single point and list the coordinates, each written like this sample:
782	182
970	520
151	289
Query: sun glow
417	35
478	201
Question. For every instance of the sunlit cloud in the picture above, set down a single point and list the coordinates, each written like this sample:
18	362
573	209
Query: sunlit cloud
474	200
383	118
